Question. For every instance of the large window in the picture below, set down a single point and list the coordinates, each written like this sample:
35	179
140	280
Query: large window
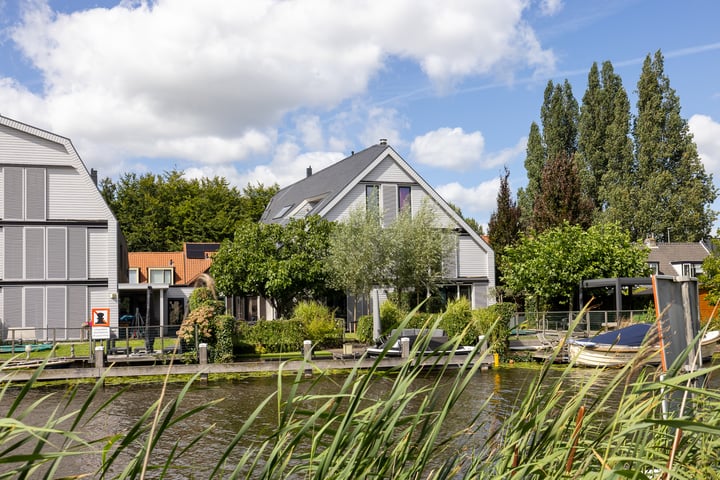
161	275
403	198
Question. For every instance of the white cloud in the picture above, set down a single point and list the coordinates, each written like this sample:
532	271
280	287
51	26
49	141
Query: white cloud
476	202
211	81
706	133
449	148
550	7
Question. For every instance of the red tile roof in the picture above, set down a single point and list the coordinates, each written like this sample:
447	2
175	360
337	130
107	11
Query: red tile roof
186	270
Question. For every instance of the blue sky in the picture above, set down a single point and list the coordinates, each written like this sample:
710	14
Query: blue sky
258	90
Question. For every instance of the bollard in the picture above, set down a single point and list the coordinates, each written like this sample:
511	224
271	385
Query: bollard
99	357
307	356
28	350
203	359
404	347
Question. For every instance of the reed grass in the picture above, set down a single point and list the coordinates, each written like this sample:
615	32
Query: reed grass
559	429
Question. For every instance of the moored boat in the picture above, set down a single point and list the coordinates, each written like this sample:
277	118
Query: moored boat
618	347
437	344
23	347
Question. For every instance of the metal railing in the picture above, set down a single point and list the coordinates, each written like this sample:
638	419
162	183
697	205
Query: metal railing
592	321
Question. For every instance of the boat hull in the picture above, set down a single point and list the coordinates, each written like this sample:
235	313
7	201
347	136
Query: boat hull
590	354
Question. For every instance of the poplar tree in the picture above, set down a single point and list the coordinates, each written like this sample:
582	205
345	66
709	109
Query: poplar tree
672	190
604	144
534	163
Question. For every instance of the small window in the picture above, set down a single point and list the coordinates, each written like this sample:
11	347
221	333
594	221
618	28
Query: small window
283	211
161	275
403	198
372	196
133	275
654	267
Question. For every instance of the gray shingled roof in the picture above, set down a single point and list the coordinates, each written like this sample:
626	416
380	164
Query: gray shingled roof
666	254
329	182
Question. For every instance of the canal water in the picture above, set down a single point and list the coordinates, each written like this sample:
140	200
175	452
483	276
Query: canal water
238	398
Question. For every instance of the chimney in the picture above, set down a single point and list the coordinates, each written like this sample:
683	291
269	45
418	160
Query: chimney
93	175
383	141
650	242
308	171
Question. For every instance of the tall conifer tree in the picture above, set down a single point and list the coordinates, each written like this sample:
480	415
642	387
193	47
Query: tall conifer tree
673	193
504	224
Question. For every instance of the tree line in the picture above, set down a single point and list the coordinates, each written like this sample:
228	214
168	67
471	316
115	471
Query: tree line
598	165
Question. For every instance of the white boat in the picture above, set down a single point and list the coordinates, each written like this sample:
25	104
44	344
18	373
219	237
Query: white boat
436	345
617	348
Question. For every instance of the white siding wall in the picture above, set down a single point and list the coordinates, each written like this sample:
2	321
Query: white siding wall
420	197
2	249
73	195
16	146
354	199
2	197
473	261
98	253
388	171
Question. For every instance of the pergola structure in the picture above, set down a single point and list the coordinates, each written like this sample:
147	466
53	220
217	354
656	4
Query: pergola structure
617	283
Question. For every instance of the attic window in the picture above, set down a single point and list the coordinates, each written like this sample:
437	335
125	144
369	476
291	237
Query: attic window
283	211
306	207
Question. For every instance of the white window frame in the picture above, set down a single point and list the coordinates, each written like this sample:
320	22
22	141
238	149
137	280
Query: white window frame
134	272
165	273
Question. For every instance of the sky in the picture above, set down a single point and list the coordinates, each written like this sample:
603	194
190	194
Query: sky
256	91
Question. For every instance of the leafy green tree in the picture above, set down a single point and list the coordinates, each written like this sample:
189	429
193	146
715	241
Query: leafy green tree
357	253
561	199
672	191
710	278
416	249
284	264
604	144
405	255
161	212
559	115
549	266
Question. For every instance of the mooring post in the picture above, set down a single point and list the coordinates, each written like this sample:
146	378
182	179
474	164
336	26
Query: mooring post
404	347
203	359
307	356
99	360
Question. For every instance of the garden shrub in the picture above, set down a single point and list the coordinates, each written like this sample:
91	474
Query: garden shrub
364	332
420	320
204	308
458	320
276	336
390	316
485	318
320	323
224	331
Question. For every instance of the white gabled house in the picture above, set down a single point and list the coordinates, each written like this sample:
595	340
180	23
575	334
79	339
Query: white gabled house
379	171
61	250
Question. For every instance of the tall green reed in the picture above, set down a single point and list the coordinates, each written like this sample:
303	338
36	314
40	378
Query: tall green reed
559	429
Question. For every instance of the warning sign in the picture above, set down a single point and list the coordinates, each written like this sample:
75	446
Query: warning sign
100	323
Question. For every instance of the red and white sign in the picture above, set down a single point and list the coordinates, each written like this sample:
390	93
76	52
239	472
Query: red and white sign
100	323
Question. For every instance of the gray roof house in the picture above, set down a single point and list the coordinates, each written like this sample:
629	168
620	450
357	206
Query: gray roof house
676	258
61	251
379	170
